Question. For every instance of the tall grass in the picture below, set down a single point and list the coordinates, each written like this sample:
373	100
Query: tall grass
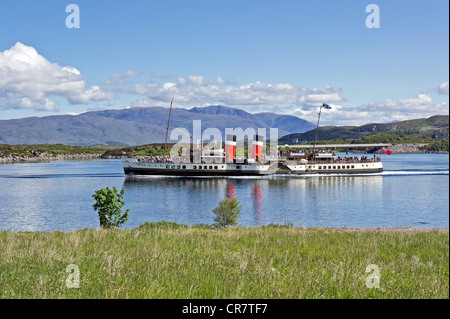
167	260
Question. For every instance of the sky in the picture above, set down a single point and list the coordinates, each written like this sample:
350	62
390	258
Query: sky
370	65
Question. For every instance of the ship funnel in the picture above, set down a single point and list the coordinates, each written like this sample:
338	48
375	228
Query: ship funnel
230	148
257	146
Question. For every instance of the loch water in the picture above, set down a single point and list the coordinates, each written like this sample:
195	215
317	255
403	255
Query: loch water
413	191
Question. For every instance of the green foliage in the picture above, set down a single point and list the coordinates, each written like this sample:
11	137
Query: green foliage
108	204
391	138
227	213
286	224
164	224
437	146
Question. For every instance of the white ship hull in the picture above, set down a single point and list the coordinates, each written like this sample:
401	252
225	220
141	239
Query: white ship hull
333	168
135	167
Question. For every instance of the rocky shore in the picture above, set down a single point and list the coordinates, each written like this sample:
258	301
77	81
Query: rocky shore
46	157
407	148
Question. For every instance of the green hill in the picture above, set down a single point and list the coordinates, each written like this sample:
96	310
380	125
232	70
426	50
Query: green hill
410	131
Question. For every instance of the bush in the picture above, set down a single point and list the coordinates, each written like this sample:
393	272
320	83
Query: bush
227	213
109	203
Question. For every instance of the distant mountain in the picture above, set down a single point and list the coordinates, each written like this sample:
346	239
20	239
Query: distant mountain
137	126
221	110
435	127
286	124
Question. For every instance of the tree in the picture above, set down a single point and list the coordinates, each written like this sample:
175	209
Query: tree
108	204
227	213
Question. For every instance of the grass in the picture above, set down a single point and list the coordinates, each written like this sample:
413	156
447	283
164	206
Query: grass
169	260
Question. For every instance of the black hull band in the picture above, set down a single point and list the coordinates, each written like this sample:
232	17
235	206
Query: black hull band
159	172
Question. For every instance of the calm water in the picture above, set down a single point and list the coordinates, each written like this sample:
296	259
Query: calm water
412	191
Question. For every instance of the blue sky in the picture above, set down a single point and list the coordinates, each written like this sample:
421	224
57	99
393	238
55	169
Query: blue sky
276	56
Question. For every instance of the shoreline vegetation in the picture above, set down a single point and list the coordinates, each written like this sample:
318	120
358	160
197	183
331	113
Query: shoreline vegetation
52	152
161	260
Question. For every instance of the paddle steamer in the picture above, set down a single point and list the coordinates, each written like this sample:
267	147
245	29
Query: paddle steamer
204	162
224	162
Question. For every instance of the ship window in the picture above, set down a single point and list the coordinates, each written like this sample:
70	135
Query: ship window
205	167
167	166
173	166
215	167
178	166
339	167
184	166
210	167
353	166
199	167
238	167
320	167
334	167
195	166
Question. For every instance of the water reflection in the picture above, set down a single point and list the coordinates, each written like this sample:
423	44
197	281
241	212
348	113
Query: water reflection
258	209
231	190
310	200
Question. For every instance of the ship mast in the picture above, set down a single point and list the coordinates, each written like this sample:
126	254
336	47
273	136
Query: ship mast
317	130
167	128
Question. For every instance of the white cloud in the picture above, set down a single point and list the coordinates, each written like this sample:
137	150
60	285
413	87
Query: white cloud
28	81
421	106
121	78
220	80
443	88
182	80
251	97
196	79
376	112
94	94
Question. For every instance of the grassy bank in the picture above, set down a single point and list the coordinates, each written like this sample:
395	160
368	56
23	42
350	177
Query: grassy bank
164	260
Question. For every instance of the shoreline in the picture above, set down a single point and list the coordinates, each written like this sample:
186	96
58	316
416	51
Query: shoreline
414	148
11	159
46	157
394	229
